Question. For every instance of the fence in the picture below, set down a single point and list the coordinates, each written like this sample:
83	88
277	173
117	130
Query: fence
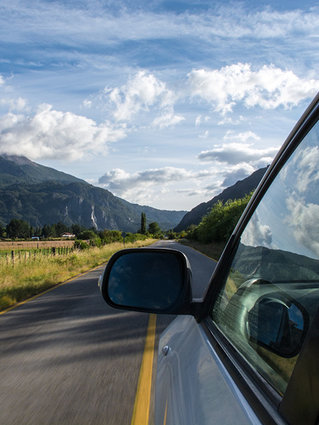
26	256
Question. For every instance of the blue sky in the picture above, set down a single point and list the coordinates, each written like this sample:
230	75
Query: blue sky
164	103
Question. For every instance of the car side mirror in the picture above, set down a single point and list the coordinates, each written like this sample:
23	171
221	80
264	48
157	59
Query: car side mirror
278	324
149	280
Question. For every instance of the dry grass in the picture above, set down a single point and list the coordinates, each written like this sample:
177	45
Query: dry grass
26	280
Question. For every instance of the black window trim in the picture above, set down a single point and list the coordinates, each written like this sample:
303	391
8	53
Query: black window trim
266	401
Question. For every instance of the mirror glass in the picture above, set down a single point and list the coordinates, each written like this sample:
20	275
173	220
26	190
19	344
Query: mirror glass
151	280
276	325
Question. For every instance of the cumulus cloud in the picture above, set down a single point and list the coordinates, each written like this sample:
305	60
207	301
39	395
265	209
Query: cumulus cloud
7	100
19	104
234	153
121	181
142	93
144	186
238	172
268	87
152	183
54	134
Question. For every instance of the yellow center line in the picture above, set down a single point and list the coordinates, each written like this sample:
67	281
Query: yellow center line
165	414
142	403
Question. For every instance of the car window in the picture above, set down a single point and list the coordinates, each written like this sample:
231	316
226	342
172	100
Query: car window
272	290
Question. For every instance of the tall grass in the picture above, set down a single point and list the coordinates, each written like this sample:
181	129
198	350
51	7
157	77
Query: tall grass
24	280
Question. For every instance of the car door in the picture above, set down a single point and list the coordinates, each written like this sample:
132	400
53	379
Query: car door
250	353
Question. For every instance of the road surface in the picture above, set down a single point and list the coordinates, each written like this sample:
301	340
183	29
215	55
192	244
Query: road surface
68	358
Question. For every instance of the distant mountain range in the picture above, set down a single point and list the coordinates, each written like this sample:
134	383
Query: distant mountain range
41	195
237	191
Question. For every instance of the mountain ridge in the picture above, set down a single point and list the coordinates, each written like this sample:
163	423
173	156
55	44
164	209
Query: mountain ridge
236	191
41	195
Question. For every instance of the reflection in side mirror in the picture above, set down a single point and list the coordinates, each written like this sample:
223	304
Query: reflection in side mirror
152	280
278	325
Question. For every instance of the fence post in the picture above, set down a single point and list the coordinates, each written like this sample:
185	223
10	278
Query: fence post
53	250
12	257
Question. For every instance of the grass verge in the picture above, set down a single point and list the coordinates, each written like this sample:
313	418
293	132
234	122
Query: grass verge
25	280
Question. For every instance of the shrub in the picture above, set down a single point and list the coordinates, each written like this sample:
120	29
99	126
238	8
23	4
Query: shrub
220	222
79	244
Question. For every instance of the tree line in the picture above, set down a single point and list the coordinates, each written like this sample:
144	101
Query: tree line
216	226
219	223
20	229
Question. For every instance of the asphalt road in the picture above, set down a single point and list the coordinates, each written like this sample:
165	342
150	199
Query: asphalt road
68	358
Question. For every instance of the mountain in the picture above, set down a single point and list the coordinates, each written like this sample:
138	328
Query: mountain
237	191
41	195
19	169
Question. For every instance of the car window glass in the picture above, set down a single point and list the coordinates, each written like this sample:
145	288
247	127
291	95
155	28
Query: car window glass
272	290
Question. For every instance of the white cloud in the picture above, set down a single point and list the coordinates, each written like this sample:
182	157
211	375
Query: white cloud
140	93
122	181
241	137
167	119
87	103
200	119
144	186
267	87
8	100
54	134
143	100
150	185
235	153
237	172
18	104
126	21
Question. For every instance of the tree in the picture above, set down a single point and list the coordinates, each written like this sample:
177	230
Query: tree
18	229
143	223
87	234
60	229
219	223
77	229
2	230
47	231
154	228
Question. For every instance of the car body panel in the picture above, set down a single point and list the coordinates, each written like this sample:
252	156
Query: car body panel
193	386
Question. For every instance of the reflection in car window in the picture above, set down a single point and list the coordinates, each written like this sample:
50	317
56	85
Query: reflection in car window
272	290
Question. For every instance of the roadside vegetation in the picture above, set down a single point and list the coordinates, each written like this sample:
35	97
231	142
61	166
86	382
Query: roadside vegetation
22	280
25	272
212	233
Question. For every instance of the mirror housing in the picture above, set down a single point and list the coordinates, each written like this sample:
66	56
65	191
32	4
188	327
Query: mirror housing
152	280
